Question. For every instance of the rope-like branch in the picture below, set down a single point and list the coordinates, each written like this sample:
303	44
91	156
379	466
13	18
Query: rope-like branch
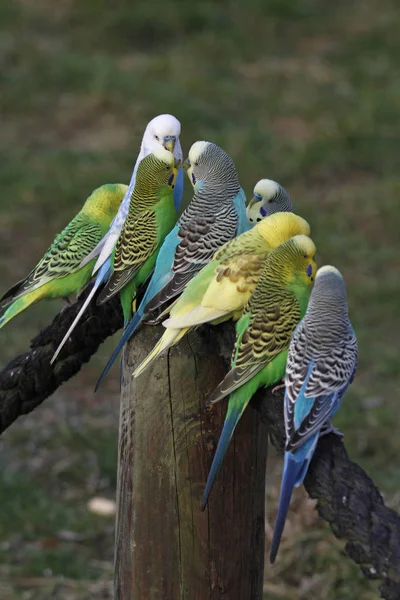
29	378
349	501
346	497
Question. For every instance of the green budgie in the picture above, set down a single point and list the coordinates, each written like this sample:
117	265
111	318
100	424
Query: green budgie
224	286
151	217
59	273
263	334
163	130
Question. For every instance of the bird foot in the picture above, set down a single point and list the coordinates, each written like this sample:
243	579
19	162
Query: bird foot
155	321
329	428
277	387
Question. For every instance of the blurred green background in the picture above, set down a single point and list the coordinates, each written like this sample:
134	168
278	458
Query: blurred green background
303	91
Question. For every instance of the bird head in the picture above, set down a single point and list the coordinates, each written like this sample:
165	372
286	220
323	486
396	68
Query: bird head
163	130
268	197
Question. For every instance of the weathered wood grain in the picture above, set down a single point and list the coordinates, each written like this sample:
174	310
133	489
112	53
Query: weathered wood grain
166	548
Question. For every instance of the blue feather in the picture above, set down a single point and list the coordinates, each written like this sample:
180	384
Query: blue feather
303	405
240	206
227	431
130	329
178	189
161	275
163	269
294	470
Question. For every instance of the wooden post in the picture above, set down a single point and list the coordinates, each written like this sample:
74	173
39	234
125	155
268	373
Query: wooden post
166	548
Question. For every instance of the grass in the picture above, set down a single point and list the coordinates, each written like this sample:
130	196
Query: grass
304	92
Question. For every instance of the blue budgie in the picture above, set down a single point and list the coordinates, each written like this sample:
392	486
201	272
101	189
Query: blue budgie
268	197
163	130
321	364
216	214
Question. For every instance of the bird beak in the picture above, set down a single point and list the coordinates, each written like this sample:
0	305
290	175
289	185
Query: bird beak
169	142
187	164
178	163
252	201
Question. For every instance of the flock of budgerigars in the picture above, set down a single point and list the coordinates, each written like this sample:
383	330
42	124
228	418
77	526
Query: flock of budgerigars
220	260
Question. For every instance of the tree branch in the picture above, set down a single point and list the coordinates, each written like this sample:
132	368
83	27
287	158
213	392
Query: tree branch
29	378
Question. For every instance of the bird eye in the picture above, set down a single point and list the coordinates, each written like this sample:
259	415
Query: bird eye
168	167
271	200
157	138
196	164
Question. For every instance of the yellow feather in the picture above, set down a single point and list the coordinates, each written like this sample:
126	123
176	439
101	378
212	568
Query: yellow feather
170	338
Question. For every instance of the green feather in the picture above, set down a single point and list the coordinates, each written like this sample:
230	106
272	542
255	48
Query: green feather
59	274
263	333
150	218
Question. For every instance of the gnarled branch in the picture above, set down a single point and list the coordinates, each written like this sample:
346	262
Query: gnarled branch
29	378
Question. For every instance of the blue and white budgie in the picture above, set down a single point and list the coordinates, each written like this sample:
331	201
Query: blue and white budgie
163	130
321	364
216	214
268	197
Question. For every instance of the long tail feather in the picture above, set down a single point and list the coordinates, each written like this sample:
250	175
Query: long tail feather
19	305
76	321
129	331
291	471
169	338
231	421
197	316
101	278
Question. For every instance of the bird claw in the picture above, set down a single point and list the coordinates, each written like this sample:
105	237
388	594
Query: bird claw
329	428
153	322
277	387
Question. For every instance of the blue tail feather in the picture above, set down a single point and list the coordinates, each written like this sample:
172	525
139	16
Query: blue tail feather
178	189
229	427
129	331
293	474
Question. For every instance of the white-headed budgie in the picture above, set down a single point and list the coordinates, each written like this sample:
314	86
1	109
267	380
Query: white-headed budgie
223	287
263	334
268	197
321	364
162	131
59	273
216	214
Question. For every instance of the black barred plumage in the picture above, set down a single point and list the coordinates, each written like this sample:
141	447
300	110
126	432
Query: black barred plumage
208	222
325	338
282	200
139	237
271	314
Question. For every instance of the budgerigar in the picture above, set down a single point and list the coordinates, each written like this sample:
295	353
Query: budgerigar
321	364
163	130
151	217
268	197
216	214
223	287
263	334
59	273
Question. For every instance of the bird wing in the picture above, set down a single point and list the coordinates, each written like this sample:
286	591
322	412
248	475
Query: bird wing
315	384
263	333
137	242
200	238
63	257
